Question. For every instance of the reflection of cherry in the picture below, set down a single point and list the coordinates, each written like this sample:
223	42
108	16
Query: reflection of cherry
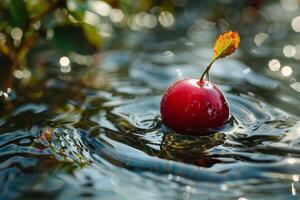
190	149
194	107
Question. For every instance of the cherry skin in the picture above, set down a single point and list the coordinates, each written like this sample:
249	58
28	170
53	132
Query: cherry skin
193	107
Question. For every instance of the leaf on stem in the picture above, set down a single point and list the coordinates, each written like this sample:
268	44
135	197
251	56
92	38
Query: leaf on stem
226	44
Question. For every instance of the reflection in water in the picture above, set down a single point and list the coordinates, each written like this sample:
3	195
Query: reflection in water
190	149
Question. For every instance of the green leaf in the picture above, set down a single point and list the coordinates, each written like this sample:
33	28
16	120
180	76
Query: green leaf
18	13
70	37
92	35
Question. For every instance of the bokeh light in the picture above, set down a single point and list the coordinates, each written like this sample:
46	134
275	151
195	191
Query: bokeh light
138	19
65	64
274	65
286	71
64	61
166	19
289	51
296	24
150	21
100	7
22	74
260	38
16	33
116	15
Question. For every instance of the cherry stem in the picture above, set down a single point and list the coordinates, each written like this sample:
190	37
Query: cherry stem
206	72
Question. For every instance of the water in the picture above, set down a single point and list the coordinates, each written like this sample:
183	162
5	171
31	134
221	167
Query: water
106	140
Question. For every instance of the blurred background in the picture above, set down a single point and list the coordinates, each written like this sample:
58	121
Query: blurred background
80	88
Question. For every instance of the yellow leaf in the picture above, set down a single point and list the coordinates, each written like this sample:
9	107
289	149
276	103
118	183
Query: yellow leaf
226	44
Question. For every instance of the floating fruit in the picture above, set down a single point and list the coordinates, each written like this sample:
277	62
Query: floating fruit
192	106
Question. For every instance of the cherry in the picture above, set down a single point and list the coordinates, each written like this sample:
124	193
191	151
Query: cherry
192	106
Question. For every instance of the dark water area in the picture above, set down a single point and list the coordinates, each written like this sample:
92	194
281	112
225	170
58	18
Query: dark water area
105	140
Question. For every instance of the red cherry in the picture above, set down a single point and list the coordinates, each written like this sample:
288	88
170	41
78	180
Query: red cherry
191	106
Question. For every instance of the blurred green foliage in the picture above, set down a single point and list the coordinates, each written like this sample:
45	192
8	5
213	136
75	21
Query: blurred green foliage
34	34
